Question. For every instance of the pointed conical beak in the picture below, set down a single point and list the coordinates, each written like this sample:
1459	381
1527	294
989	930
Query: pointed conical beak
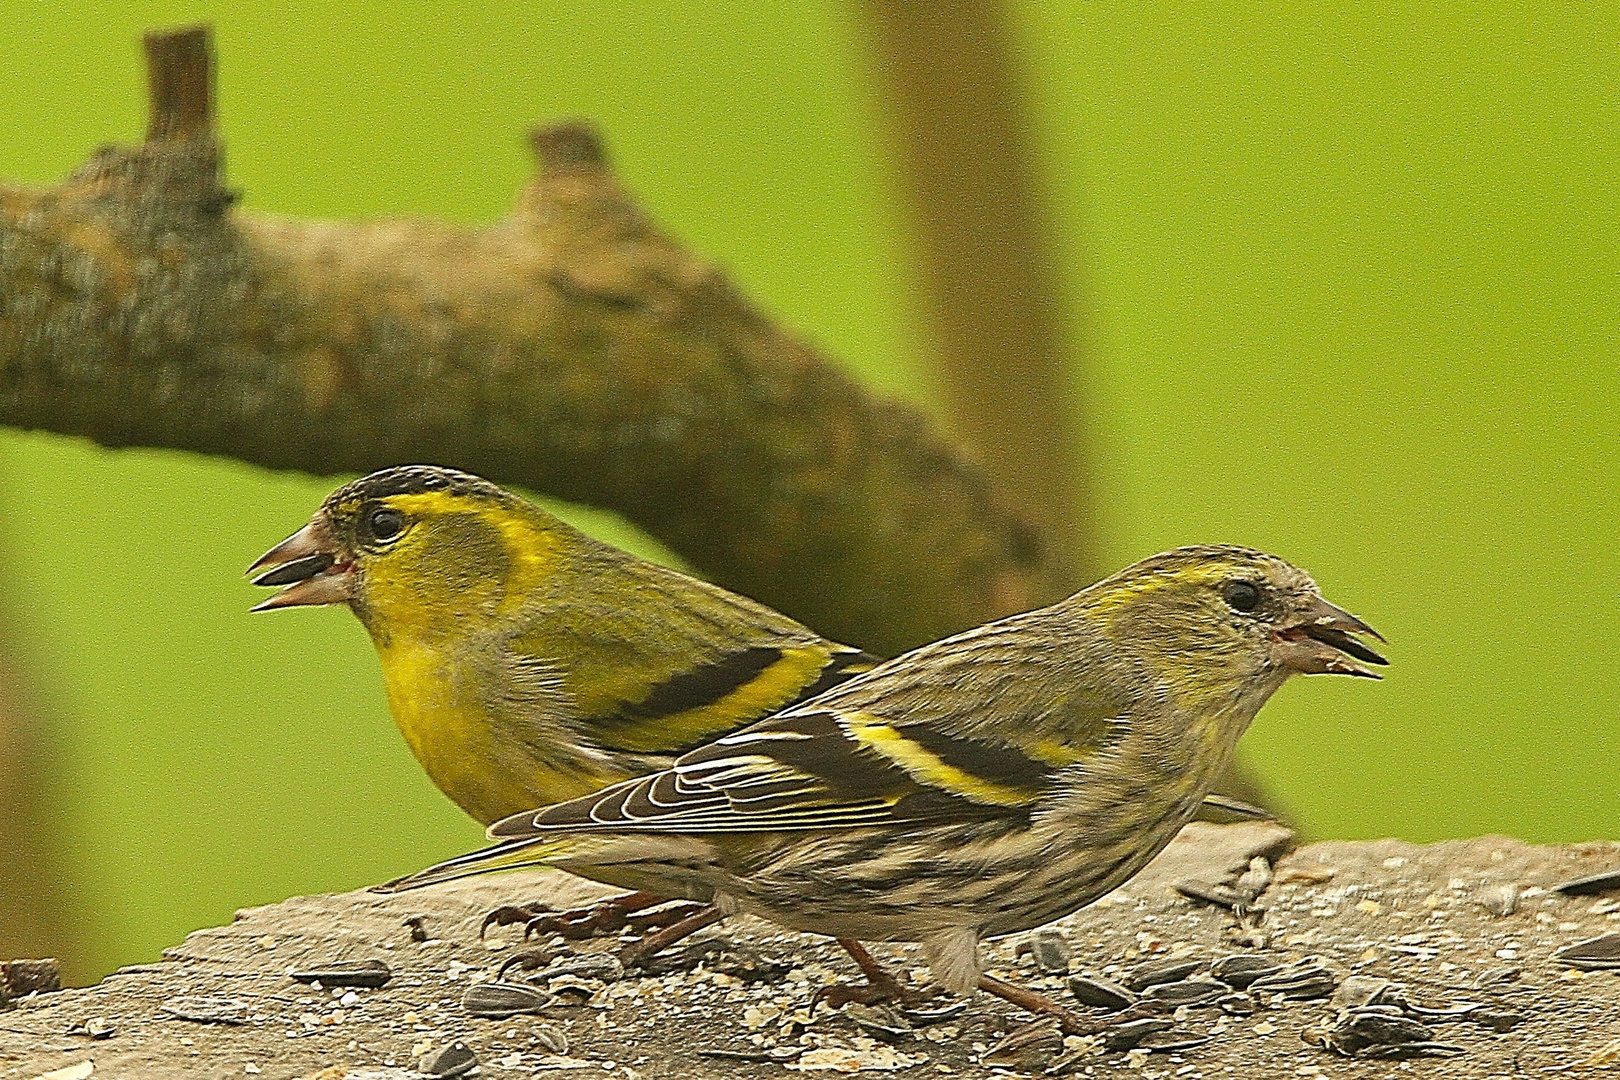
1323	640
308	564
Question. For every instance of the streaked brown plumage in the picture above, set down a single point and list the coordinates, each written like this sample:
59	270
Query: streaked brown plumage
981	785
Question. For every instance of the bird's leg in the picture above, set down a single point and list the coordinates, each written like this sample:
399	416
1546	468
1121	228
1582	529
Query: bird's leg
603	917
881	984
637	951
1071	1023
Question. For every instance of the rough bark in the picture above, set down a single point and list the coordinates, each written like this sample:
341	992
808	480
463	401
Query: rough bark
571	348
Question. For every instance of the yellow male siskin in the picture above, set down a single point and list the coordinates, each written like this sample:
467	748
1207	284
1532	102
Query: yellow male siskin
981	785
525	662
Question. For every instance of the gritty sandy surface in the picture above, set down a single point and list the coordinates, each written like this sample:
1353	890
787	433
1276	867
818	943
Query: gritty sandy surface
1423	916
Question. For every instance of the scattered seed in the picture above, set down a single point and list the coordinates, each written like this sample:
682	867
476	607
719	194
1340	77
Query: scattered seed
457	1059
1190	992
603	967
1216	895
367	973
779	1053
1241	969
1359	990
1306	978
1496	1020
1100	993
96	1027
498	1000
884	1021
928	1017
1147	975
1495	977
206	1009
1591	885
1029	1047
552	1038
1238	1004
1170	1042
1127	1036
1594	954
1256	879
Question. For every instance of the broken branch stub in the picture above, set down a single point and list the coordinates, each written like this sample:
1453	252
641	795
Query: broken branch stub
571	348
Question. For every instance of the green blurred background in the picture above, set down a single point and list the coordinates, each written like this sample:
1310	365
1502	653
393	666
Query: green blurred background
1349	284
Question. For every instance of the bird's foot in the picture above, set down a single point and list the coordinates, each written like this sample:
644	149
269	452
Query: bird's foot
607	916
700	915
1069	1021
881	986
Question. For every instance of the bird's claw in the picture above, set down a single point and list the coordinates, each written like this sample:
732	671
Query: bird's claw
883	989
527	961
510	914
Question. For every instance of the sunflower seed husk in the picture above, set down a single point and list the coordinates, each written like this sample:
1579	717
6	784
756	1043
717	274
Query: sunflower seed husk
1496	1019
1189	992
1169	1042
1126	1036
207	1009
1307	978
1238	1004
367	973
1217	895
1101	993
1495	977
1455	1011
1365	1026
1358	990
880	1020
1256	879
1029	1048
603	967
96	1027
937	1015
498	1000
1241	969
457	1059
1592	885
1147	975
1594	954
554	1039
780	1053
1394	1051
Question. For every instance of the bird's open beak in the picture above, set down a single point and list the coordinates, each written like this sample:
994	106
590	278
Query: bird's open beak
1322	642
309	564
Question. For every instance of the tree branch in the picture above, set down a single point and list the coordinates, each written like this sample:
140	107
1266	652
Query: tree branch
571	348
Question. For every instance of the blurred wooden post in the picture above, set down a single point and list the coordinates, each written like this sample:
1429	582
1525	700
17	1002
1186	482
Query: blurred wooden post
1003	346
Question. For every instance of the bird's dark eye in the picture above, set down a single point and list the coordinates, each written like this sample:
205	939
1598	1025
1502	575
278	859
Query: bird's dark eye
385	524
1241	596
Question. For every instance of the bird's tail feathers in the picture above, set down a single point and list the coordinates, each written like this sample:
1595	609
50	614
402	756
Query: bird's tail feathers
507	855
